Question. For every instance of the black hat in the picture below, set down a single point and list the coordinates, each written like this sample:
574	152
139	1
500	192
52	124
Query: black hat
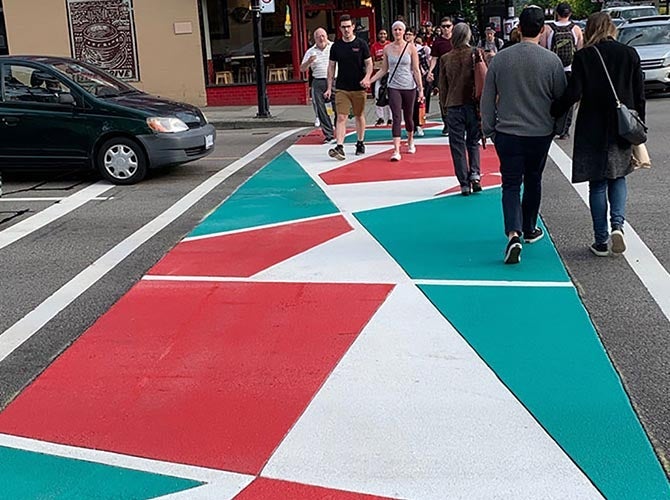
531	21
563	9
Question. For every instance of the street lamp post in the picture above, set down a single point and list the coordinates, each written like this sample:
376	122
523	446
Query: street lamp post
263	108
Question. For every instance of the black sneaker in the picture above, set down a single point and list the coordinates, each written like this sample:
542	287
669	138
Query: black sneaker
513	251
618	243
465	190
379	122
535	235
389	123
328	140
360	148
600	249
445	131
337	152
476	186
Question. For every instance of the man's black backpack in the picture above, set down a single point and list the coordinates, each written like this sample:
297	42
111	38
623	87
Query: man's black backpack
563	43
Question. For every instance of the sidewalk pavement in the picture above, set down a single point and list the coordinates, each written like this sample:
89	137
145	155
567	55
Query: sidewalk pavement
244	117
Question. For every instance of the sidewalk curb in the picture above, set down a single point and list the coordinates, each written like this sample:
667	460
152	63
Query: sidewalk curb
259	123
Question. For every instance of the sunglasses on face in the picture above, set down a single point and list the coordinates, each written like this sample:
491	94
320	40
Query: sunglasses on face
446	25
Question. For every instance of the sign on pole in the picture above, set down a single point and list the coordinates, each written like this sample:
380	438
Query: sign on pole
267	6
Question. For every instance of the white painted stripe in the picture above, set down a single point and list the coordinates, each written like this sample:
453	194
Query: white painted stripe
253	228
48	215
220	480
567	284
217	158
52	198
640	258
259	279
23	329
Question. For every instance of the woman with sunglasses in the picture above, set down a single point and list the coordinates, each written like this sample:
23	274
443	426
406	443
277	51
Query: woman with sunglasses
401	63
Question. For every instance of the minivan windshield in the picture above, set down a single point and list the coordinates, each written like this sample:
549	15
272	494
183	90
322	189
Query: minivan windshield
93	80
641	12
637	36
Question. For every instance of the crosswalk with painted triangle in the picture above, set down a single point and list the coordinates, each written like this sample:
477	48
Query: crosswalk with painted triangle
340	330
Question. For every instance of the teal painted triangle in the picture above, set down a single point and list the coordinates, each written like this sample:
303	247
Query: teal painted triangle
280	192
384	134
543	346
458	238
27	475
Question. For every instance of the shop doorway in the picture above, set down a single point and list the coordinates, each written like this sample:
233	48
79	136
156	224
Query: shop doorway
4	47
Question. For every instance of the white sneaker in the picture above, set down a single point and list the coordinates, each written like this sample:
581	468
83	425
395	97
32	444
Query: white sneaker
396	156
618	243
411	149
419	132
317	123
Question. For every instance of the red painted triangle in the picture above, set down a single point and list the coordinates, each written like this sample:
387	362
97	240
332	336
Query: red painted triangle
429	161
272	489
207	374
246	253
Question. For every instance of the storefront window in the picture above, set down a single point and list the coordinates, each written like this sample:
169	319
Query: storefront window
4	49
232	44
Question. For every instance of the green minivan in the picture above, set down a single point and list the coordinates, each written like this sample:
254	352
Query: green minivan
56	111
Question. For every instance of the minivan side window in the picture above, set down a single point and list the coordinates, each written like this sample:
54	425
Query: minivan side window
26	84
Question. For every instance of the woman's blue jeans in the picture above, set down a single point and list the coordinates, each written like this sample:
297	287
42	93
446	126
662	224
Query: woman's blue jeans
600	192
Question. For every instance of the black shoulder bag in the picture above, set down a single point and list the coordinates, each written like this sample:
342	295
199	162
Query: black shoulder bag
630	126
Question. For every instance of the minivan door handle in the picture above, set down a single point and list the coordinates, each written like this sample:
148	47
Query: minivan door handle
10	121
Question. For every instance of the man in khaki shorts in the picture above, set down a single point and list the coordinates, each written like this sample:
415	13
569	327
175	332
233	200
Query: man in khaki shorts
354	69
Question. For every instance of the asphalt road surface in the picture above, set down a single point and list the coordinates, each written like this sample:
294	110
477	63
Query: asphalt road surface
96	218
631	325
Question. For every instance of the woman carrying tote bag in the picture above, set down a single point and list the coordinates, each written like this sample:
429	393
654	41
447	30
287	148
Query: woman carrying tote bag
600	155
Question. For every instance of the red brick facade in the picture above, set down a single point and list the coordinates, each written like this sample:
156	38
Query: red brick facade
279	93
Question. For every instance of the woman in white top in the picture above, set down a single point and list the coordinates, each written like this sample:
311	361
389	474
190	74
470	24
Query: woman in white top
401	62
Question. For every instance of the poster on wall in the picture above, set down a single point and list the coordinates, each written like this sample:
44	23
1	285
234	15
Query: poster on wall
102	32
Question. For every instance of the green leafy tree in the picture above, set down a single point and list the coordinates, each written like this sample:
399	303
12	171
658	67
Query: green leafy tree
581	9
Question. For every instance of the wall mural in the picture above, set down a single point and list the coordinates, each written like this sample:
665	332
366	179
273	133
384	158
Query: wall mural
102	32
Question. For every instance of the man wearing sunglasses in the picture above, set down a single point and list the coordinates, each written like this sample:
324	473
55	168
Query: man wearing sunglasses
440	47
354	69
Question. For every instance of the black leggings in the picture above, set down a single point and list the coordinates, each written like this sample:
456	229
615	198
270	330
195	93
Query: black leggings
402	100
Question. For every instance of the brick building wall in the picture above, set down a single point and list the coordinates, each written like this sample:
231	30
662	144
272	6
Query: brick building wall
279	93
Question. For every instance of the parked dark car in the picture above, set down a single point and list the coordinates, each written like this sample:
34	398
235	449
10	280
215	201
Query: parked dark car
62	112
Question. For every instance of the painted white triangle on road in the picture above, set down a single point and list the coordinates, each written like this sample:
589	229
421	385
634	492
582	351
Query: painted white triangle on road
315	160
411	411
372	195
354	257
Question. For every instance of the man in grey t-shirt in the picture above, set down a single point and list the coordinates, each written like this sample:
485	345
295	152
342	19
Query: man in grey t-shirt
521	83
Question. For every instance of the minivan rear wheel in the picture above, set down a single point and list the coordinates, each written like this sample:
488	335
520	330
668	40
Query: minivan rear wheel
122	161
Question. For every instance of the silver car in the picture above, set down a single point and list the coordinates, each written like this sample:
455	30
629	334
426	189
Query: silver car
651	38
622	13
